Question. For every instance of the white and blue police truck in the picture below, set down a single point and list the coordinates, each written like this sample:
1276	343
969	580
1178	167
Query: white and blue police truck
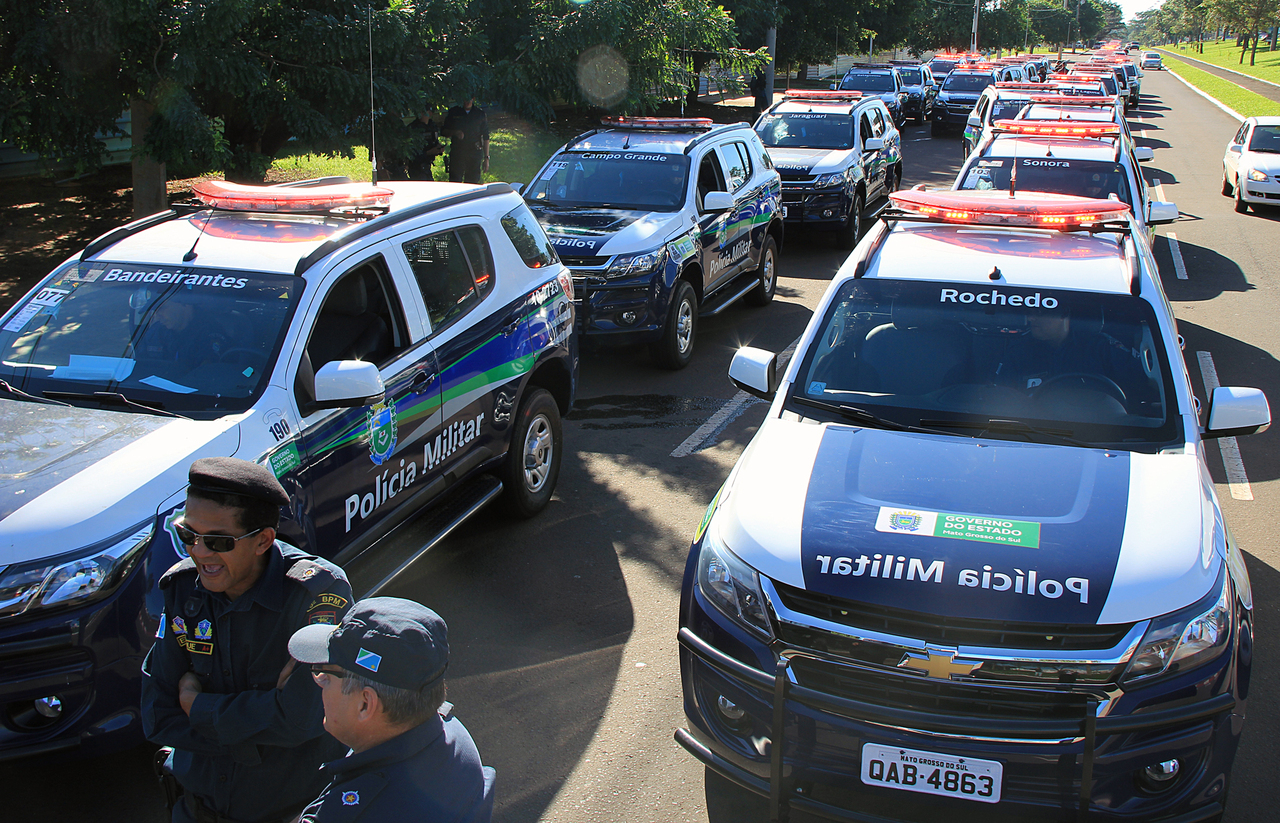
662	220
387	351
972	565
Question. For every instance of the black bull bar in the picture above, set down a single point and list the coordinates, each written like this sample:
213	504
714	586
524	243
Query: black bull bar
781	798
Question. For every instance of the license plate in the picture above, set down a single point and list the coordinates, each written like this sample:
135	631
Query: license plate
784	212
965	778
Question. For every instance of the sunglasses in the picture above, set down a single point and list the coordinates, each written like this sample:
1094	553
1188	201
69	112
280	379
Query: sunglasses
318	671
219	543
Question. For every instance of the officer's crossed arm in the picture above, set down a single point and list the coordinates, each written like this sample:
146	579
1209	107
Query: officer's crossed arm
292	713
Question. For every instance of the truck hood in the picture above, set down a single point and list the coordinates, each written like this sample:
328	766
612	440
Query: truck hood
962	527
70	477
809	161
605	232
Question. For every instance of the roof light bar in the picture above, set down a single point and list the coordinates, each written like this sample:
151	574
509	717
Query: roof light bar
1043	128
658	123
819	94
1030	209
235	197
1074	100
1022	86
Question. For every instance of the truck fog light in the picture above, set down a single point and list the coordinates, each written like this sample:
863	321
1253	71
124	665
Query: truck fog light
826	212
627	318
1160	776
50	707
729	710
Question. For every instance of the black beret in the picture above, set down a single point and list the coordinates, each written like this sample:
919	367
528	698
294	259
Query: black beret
230	475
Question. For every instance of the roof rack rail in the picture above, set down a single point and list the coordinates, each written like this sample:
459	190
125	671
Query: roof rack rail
715	130
333	244
870	66
129	229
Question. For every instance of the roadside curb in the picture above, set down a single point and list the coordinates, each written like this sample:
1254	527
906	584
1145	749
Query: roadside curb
1216	66
1206	95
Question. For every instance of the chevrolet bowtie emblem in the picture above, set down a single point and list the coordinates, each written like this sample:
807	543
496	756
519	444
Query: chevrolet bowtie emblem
938	663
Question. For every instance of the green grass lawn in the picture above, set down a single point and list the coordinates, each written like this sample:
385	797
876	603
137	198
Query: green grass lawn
1229	94
516	152
1224	53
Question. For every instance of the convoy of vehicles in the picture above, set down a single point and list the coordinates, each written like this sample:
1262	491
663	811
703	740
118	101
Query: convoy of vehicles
972	555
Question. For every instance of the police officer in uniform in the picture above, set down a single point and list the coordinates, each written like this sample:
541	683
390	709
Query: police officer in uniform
219	686
382	676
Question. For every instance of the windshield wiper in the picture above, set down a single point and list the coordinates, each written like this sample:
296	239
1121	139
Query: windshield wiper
998	424
861	415
114	398
16	392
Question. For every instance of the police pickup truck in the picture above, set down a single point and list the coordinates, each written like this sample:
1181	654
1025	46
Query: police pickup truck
388	351
662	220
837	152
973	565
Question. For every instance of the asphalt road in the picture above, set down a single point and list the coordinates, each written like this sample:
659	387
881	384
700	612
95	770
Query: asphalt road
564	663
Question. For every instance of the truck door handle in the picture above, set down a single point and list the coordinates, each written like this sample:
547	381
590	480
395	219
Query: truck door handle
422	381
511	327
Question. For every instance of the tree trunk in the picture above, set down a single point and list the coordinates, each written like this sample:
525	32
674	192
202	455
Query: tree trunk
801	71
1254	53
149	193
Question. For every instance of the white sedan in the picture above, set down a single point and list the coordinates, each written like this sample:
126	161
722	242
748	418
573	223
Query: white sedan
1152	60
1250	166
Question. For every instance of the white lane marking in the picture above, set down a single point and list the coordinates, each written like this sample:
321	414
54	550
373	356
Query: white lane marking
1155	184
1178	265
726	413
1230	449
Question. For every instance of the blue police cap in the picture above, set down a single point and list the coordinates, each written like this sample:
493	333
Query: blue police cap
388	640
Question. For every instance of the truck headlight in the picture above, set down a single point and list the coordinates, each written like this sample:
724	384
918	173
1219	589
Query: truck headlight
71	579
1257	176
826	181
630	265
733	586
1186	638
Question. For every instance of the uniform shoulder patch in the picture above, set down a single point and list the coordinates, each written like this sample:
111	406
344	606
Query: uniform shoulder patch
313	576
184	565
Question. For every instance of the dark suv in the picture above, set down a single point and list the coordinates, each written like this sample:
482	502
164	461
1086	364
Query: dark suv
878	79
921	88
661	220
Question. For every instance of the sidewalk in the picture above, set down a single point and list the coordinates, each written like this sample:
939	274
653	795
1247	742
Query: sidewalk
1262	88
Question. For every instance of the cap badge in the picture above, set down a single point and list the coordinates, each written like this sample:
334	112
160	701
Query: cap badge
351	798
368	660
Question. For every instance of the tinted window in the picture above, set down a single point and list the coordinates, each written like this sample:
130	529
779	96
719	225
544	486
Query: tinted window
736	166
941	66
910	77
528	237
185	338
454	272
868	81
806	130
647	181
966	82
1265	138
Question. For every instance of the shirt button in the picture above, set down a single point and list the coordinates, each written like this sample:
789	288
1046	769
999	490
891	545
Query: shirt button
222	778
226	672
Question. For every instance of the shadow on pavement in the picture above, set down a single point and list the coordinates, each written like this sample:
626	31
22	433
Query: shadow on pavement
1209	273
117	788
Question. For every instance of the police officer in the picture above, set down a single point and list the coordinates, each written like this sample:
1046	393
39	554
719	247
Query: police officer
467	126
218	685
382	676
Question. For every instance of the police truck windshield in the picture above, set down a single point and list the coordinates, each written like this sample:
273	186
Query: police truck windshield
637	180
808	130
1085	178
967	82
182	338
1039	364
910	77
868	81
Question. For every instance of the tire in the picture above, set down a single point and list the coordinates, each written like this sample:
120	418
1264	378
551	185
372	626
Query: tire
894	181
762	294
532	465
1241	206
1226	184
675	349
849	233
